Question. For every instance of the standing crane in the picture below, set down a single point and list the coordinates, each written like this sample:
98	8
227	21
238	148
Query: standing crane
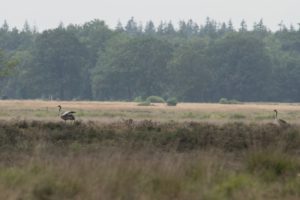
67	115
279	122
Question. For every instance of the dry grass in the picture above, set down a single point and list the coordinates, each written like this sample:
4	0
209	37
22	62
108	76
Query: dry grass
114	174
116	111
148	160
91	105
123	151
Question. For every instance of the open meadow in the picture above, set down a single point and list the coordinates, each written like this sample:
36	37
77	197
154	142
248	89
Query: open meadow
116	111
118	150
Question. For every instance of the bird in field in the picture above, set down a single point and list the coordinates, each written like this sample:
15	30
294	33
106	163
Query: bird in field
67	115
279	122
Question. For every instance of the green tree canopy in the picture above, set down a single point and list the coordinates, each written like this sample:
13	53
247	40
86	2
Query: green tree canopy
132	67
59	62
243	66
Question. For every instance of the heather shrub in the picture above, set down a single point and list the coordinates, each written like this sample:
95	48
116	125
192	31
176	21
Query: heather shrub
155	99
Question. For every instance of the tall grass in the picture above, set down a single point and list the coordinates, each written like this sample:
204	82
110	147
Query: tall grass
148	160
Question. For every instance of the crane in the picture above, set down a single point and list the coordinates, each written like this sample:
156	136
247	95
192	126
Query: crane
67	115
279	122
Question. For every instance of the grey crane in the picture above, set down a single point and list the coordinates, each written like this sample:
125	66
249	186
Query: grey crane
279	122
67	115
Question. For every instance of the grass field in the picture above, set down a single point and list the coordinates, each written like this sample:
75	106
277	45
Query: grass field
191	151
115	111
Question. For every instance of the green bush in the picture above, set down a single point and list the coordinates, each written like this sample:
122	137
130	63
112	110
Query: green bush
155	99
223	101
172	101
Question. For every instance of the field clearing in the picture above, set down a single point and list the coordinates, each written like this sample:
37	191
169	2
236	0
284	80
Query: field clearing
167	153
116	111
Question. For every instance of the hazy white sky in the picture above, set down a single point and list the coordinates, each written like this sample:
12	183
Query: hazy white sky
49	13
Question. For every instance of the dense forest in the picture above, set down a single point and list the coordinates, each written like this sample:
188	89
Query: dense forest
189	61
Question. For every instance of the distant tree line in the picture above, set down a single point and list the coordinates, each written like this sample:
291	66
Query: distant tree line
192	62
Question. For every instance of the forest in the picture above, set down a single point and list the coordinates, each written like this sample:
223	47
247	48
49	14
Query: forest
190	61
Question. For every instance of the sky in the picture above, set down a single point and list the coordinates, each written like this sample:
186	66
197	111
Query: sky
46	14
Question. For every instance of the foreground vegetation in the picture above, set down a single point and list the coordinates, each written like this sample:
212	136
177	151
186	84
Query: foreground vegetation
148	160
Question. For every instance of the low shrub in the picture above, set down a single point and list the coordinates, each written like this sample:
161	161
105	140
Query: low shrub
172	101
155	99
232	137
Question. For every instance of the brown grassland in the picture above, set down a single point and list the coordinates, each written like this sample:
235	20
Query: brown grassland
118	150
116	111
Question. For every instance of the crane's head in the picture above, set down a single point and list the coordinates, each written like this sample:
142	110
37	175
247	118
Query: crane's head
275	111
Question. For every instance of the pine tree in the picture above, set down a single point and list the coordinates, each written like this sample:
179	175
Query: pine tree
132	27
150	28
243	27
119	28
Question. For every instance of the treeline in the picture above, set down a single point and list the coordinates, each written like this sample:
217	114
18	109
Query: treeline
197	63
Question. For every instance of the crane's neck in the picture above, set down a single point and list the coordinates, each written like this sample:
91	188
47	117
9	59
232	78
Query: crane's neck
275	114
59	111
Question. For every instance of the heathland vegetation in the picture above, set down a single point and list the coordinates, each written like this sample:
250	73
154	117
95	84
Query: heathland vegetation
190	61
124	151
148	160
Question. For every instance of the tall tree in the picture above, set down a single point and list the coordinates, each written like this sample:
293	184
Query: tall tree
166	29
190	73
132	27
210	28
243	26
131	67
94	35
6	64
242	64
230	26
119	28
150	28
59	60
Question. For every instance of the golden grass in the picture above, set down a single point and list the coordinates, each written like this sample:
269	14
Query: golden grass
90	105
123	174
86	160
114	111
112	174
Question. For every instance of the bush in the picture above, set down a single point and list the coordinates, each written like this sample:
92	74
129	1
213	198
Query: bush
223	101
155	99
226	101
172	101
